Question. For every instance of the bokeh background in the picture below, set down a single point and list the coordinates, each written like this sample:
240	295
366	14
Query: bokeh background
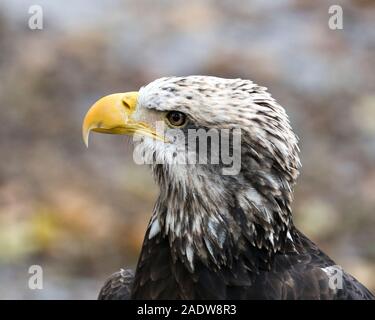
81	213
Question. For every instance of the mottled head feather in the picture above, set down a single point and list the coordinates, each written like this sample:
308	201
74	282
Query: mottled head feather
206	215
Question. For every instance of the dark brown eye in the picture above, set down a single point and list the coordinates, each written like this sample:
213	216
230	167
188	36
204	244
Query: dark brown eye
176	118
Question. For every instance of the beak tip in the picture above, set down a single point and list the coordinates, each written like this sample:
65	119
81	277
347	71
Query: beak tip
85	137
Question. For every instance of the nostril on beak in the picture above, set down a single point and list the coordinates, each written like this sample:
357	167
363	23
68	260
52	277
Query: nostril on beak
126	105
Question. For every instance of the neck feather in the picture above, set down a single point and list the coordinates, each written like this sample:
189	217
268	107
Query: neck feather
214	218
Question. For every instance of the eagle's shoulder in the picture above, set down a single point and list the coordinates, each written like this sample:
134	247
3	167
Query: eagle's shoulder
118	286
308	274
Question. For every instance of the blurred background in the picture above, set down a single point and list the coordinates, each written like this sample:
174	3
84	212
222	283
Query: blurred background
81	213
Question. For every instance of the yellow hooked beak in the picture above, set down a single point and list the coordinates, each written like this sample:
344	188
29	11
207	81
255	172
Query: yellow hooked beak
113	114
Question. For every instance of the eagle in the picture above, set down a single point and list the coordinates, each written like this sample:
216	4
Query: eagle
217	233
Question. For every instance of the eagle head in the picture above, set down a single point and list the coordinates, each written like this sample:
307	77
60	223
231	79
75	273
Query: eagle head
224	156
